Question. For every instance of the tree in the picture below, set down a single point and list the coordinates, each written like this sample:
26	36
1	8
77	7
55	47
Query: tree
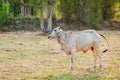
4	9
107	11
49	16
26	7
41	17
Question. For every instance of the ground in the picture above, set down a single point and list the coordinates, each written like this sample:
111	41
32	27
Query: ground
31	56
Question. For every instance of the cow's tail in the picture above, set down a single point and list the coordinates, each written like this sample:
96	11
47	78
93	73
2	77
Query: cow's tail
107	43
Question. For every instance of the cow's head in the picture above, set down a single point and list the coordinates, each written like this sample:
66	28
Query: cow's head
55	33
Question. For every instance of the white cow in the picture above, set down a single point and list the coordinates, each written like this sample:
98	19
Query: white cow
74	42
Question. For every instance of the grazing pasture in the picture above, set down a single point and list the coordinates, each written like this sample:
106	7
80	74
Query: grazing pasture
31	56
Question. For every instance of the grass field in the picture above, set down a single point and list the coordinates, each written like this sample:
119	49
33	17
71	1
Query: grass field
31	56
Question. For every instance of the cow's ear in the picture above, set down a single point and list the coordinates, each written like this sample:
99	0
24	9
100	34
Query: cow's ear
59	27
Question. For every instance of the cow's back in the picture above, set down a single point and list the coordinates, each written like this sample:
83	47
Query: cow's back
85	39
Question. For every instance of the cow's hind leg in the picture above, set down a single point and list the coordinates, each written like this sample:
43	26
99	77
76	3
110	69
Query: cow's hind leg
100	56
95	56
100	59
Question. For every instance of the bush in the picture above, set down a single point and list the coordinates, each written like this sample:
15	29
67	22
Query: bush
16	24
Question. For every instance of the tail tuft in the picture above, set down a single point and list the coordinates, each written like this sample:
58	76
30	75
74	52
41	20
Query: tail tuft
105	50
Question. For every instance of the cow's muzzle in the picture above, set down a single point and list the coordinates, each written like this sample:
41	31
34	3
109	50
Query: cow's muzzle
49	37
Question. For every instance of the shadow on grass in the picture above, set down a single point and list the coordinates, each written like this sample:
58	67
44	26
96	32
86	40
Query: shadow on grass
69	76
89	75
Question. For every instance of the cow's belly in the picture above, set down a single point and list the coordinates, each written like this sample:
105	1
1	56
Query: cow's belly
84	48
84	42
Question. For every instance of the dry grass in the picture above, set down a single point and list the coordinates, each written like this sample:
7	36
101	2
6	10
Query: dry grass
30	56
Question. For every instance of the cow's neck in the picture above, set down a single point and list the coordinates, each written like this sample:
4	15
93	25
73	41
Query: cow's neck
63	43
59	36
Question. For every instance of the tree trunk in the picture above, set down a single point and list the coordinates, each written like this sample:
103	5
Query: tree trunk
30	10
27	10
49	16
8	8
41	17
22	10
3	1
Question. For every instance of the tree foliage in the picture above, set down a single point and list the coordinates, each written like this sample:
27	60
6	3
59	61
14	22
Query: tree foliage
4	9
86	12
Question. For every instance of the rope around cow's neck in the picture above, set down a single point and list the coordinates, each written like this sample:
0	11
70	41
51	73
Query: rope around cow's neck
59	36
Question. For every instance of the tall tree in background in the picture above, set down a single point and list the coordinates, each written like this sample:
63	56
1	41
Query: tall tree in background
41	17
39	8
26	7
107	11
4	8
49	16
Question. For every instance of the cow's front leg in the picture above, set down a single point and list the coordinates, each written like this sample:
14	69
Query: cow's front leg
72	60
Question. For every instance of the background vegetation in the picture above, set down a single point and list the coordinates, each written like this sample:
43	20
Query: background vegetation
26	14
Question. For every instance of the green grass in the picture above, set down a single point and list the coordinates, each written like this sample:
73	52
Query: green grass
30	56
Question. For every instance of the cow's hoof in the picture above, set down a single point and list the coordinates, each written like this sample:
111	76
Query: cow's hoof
71	68
100	66
94	67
